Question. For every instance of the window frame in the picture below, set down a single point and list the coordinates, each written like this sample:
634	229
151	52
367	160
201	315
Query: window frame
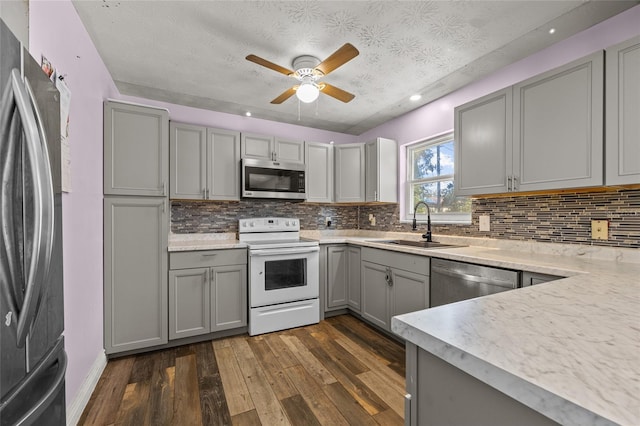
436	218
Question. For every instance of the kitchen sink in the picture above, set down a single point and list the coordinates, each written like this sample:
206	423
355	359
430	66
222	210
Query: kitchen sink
421	244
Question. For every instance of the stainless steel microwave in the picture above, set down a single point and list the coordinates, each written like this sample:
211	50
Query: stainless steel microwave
273	179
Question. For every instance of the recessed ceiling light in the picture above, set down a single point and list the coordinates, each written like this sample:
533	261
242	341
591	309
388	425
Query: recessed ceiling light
248	113
415	97
552	30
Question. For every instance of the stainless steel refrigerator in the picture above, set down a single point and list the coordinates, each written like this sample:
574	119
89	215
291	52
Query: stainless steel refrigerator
32	357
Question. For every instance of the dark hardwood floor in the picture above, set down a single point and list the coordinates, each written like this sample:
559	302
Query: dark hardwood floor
338	372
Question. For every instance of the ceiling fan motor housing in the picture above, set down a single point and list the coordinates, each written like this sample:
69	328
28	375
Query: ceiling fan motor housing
305	65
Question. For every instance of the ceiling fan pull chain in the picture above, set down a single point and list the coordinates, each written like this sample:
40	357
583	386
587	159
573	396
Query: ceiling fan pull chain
298	109
317	102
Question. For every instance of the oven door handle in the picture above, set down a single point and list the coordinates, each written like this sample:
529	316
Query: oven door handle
276	252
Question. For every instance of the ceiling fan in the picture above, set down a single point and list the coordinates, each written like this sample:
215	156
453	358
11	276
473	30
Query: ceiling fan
308	70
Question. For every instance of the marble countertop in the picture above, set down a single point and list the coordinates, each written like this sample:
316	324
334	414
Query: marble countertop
192	242
569	349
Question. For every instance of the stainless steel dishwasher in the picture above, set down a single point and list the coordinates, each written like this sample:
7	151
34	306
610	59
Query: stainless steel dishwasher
453	281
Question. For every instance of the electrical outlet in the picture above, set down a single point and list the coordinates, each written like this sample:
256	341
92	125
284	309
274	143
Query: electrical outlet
327	221
599	229
372	219
485	223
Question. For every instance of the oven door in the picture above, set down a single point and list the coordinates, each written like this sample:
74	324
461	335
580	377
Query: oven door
280	275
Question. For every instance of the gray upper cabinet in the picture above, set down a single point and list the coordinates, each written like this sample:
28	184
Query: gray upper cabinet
187	161
204	163
381	170
319	172
543	133
558	127
349	173
289	151
269	148
483	144
257	146
207	292
223	164
135	272
622	105
136	147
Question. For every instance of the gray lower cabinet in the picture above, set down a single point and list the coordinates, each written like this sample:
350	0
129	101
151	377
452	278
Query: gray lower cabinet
136	147
207	292
135	272
393	283
343	277
319	168
622	137
349	173
439	393
204	163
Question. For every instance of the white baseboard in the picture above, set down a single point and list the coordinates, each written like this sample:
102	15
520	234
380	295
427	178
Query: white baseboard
75	409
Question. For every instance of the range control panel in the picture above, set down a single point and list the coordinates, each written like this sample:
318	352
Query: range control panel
268	224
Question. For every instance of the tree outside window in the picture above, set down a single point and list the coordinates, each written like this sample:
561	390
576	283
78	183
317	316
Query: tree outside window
430	167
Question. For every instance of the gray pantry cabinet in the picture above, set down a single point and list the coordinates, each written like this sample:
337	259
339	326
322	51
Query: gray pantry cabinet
622	121
269	148
319	172
349	173
381	170
343	285
204	163
392	284
135	272
136	222
543	133
207	291
136	147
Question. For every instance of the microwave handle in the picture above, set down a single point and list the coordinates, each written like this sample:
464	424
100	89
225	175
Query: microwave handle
272	252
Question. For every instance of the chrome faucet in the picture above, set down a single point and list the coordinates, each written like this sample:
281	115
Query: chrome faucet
427	234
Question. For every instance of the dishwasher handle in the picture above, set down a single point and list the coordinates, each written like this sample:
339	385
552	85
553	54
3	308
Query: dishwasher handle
474	278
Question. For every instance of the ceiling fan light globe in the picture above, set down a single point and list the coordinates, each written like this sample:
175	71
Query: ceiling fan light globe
307	92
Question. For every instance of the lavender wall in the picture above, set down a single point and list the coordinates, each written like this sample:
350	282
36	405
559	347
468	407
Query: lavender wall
437	117
244	124
56	32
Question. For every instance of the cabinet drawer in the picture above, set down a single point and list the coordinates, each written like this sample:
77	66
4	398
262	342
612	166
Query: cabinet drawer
204	258
408	262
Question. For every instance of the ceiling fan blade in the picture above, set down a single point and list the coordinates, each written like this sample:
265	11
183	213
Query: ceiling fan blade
339	94
258	60
338	58
285	95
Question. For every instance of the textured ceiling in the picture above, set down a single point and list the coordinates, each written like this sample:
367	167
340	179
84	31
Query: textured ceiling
193	52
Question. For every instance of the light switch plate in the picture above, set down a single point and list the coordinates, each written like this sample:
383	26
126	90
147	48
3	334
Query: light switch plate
599	229
485	224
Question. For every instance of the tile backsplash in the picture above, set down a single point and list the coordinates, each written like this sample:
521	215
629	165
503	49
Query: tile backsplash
562	218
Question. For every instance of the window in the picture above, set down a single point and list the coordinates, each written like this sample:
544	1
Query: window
430	179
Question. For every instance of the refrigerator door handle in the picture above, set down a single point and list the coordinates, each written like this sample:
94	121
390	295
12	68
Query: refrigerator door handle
10	270
56	354
39	261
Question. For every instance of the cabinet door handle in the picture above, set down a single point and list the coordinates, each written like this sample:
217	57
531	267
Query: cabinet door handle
375	195
204	194
164	188
206	276
209	254
508	183
515	183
